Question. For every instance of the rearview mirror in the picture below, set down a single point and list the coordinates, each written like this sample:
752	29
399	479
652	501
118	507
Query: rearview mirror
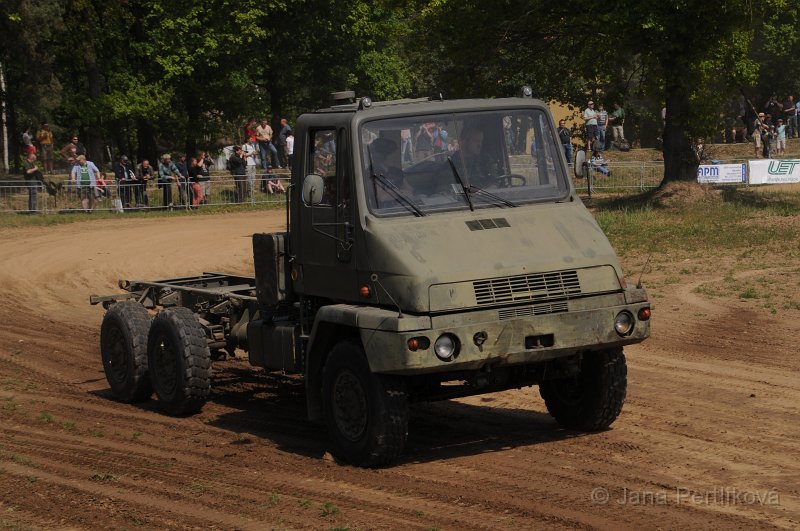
312	189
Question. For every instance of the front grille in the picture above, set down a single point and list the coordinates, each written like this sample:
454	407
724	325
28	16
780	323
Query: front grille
540	286
537	309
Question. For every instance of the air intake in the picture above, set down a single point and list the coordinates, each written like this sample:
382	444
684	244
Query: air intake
486	224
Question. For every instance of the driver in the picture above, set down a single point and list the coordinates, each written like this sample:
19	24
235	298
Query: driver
386	166
472	162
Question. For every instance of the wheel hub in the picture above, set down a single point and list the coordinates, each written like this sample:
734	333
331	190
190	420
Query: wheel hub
349	406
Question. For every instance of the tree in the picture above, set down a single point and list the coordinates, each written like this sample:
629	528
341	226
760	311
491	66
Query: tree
692	55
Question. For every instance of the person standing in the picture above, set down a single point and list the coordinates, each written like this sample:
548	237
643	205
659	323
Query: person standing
790	110
251	151
290	149
780	131
284	132
84	177
237	167
45	138
33	180
167	173
602	123
266	147
127	183
27	140
565	136
184	192
71	151
204	177
144	174
406	151
758	133
617	119
195	173
590	121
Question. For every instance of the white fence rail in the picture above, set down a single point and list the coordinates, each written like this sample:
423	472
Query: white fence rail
51	196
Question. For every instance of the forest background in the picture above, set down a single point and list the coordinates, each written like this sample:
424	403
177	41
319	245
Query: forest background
146	76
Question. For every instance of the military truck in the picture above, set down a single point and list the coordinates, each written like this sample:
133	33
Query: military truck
434	249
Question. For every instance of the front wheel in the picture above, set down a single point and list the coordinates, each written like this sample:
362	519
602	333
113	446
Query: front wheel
179	361
592	399
366	414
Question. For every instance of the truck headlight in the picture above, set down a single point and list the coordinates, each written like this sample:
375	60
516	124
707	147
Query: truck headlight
623	323
446	347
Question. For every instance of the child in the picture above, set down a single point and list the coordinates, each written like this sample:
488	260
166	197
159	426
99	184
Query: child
781	143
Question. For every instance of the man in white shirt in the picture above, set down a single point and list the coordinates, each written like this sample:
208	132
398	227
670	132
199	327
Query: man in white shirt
250	152
590	119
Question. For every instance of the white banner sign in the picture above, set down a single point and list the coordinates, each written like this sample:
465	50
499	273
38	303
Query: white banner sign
722	173
774	171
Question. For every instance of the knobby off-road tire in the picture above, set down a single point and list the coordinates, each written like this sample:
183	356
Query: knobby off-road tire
123	347
366	413
179	361
591	400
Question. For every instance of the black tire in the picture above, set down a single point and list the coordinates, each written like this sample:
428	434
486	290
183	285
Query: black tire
366	414
179	361
591	400
123	348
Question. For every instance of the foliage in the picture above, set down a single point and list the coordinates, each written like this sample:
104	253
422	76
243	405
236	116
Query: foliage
154	75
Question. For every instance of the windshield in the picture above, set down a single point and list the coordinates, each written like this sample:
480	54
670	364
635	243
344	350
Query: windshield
425	164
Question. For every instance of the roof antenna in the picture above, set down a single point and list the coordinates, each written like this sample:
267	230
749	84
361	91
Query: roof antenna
645	269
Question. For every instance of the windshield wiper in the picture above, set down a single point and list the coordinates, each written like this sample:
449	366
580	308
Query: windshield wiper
392	189
461	183
474	189
397	194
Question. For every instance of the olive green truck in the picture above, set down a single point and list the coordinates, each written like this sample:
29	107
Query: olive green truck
434	249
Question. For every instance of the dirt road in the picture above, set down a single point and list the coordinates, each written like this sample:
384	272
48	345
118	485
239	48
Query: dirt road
708	437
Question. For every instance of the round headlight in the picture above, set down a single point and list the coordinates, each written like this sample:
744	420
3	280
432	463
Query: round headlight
446	347
623	324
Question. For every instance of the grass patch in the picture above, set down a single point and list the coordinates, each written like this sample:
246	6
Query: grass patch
12	220
328	509
45	416
735	223
749	293
103	478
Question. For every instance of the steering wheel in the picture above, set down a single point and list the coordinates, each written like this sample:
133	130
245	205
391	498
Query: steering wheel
510	180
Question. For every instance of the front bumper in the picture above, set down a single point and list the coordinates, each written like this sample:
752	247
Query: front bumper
514	335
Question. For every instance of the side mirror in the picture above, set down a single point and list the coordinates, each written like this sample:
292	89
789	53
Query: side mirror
312	189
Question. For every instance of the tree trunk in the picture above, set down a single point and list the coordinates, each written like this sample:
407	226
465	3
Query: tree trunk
680	160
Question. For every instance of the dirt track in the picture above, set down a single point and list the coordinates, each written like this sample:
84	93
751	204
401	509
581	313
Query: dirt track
708	438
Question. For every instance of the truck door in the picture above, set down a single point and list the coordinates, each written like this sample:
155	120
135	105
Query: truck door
327	237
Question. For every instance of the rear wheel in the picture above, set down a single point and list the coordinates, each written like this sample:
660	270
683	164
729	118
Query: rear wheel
592	399
366	414
123	347
179	361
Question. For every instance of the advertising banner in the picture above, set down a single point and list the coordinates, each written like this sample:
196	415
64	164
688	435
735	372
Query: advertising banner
722	173
774	171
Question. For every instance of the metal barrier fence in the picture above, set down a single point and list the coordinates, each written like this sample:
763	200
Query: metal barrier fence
63	196
622	177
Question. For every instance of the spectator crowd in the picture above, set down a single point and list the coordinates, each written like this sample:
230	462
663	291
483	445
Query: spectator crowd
185	181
